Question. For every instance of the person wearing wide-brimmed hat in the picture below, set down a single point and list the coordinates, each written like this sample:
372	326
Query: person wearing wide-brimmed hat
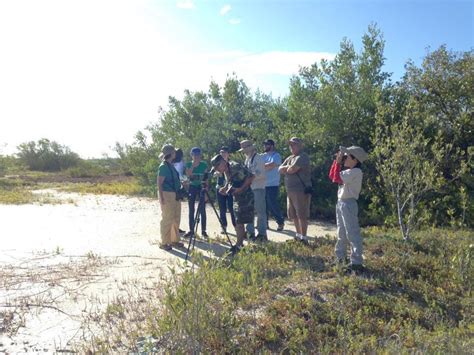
297	171
168	184
350	184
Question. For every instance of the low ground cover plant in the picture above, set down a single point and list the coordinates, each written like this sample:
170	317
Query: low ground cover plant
415	296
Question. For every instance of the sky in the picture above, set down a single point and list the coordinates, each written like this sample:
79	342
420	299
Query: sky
89	73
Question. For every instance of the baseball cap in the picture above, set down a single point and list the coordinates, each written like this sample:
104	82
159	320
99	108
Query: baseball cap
196	151
295	140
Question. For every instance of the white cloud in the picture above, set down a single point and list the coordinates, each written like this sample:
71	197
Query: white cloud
225	9
186	4
234	21
90	78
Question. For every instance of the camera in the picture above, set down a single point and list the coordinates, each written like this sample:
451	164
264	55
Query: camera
204	181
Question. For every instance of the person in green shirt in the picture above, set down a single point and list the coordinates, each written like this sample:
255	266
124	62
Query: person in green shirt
196	170
168	183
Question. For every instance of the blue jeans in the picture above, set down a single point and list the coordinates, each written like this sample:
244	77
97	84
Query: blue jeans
194	194
261	209
348	230
226	203
273	207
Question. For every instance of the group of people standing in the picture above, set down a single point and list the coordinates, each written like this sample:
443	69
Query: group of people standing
251	188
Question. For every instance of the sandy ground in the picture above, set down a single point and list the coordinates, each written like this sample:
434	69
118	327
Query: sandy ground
59	262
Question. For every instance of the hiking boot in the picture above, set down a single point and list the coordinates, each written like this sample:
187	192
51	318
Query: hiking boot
280	227
261	238
357	269
180	231
188	234
234	250
204	235
177	245
305	241
166	247
251	237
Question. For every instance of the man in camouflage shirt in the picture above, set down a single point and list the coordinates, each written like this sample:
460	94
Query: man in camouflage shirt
238	180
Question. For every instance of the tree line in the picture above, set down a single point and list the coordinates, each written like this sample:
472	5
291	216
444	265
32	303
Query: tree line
418	130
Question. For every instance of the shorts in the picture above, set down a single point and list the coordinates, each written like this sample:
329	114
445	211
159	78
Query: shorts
243	208
298	204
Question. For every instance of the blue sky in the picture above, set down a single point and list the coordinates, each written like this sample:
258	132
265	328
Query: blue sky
88	73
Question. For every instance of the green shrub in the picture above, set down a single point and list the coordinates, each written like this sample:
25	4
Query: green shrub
286	297
46	155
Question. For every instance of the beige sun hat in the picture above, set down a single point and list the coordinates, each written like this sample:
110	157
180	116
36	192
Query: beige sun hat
246	144
166	150
358	152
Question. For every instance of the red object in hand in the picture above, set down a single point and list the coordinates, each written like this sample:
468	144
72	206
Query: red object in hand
334	173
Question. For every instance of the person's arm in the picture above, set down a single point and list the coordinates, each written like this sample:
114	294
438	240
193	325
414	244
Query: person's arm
160	180
283	167
295	167
274	163
247	182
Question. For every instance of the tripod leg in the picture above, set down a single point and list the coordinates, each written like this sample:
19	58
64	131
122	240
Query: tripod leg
218	218
192	238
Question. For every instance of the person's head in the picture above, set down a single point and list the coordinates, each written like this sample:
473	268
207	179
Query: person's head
196	154
168	153
247	147
296	145
269	145
353	156
179	156
218	163
224	152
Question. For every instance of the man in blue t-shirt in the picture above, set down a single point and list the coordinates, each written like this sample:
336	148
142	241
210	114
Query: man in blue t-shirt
272	162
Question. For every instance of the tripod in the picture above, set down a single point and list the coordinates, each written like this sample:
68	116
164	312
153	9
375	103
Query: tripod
197	218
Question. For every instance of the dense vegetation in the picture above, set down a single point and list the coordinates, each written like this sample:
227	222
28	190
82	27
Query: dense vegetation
419	130
287	297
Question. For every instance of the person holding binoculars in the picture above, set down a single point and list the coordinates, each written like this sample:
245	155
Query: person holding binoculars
346	172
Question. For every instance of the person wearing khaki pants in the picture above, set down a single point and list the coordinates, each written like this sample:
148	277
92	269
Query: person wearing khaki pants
168	183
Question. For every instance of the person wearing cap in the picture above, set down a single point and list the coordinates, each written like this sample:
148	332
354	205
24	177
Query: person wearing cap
237	183
350	184
297	172
225	201
272	161
256	164
168	183
195	172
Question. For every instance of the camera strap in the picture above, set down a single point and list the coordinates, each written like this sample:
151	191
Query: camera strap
302	182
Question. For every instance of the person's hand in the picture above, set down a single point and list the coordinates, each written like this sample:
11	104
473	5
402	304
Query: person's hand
237	191
339	156
223	191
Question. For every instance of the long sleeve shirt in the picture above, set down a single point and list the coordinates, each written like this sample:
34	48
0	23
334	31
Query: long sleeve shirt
350	181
